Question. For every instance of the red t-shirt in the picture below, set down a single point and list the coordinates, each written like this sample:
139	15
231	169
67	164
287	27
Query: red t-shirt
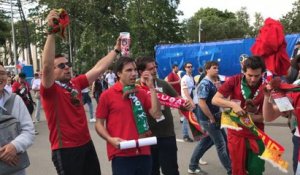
67	122
232	88
16	87
295	96
120	119
172	77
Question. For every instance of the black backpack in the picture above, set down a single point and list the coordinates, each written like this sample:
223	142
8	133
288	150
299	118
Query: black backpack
9	130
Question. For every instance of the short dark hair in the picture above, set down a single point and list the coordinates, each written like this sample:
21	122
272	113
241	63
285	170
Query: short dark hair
174	65
22	75
60	55
295	61
254	62
187	64
141	62
209	64
120	64
200	69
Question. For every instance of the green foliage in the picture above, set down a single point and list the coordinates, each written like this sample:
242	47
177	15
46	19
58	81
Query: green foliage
259	22
291	21
153	22
4	28
217	25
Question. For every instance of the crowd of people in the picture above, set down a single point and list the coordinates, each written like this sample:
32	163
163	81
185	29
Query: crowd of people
132	88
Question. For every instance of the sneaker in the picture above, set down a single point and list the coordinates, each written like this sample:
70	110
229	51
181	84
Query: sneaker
187	139
181	119
202	162
197	171
36	132
93	120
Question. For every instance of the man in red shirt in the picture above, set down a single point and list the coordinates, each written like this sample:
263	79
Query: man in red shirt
174	79
244	147
73	152
21	87
117	121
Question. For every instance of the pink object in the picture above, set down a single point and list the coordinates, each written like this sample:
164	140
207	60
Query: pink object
125	43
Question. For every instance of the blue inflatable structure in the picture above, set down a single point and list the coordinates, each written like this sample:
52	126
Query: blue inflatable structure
227	53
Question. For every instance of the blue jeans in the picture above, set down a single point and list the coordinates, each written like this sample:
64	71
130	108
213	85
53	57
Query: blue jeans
164	156
296	142
91	110
135	165
185	128
37	114
216	136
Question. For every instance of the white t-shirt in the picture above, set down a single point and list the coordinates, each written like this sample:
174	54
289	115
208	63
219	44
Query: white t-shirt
187	82
36	83
8	88
110	77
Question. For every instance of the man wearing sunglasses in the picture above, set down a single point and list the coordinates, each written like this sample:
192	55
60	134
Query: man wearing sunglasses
73	152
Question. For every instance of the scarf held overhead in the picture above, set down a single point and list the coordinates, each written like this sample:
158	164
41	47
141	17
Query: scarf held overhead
59	25
271	46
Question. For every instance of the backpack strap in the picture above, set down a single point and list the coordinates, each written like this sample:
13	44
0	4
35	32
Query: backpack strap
10	103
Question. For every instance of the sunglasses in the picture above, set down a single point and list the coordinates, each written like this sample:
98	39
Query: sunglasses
243	57
63	65
188	66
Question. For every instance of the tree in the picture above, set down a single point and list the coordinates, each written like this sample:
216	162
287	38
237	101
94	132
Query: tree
217	25
258	23
4	35
291	21
152	22
243	21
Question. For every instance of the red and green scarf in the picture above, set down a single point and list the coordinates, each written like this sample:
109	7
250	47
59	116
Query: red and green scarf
177	102
273	151
140	116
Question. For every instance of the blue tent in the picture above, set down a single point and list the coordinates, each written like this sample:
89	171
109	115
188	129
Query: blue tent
225	52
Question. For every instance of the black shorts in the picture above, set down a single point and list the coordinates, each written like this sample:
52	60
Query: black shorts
80	160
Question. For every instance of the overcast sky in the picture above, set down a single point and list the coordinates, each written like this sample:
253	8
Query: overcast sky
268	8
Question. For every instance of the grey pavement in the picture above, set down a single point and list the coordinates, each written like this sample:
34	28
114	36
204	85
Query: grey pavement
41	164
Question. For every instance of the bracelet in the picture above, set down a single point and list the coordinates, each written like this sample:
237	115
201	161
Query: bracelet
117	51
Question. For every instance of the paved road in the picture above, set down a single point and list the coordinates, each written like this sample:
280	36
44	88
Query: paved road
41	164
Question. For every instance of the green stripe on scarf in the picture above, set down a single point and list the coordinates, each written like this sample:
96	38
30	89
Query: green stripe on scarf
246	91
138	111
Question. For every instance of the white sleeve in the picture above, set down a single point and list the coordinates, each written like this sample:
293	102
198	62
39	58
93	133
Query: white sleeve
26	137
183	82
34	85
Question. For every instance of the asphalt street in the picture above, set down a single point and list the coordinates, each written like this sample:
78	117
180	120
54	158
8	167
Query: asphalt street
41	164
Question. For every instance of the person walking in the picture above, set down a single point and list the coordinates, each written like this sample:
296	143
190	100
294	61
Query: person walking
209	117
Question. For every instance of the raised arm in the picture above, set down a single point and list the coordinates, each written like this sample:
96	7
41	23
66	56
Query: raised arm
155	110
49	54
103	63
